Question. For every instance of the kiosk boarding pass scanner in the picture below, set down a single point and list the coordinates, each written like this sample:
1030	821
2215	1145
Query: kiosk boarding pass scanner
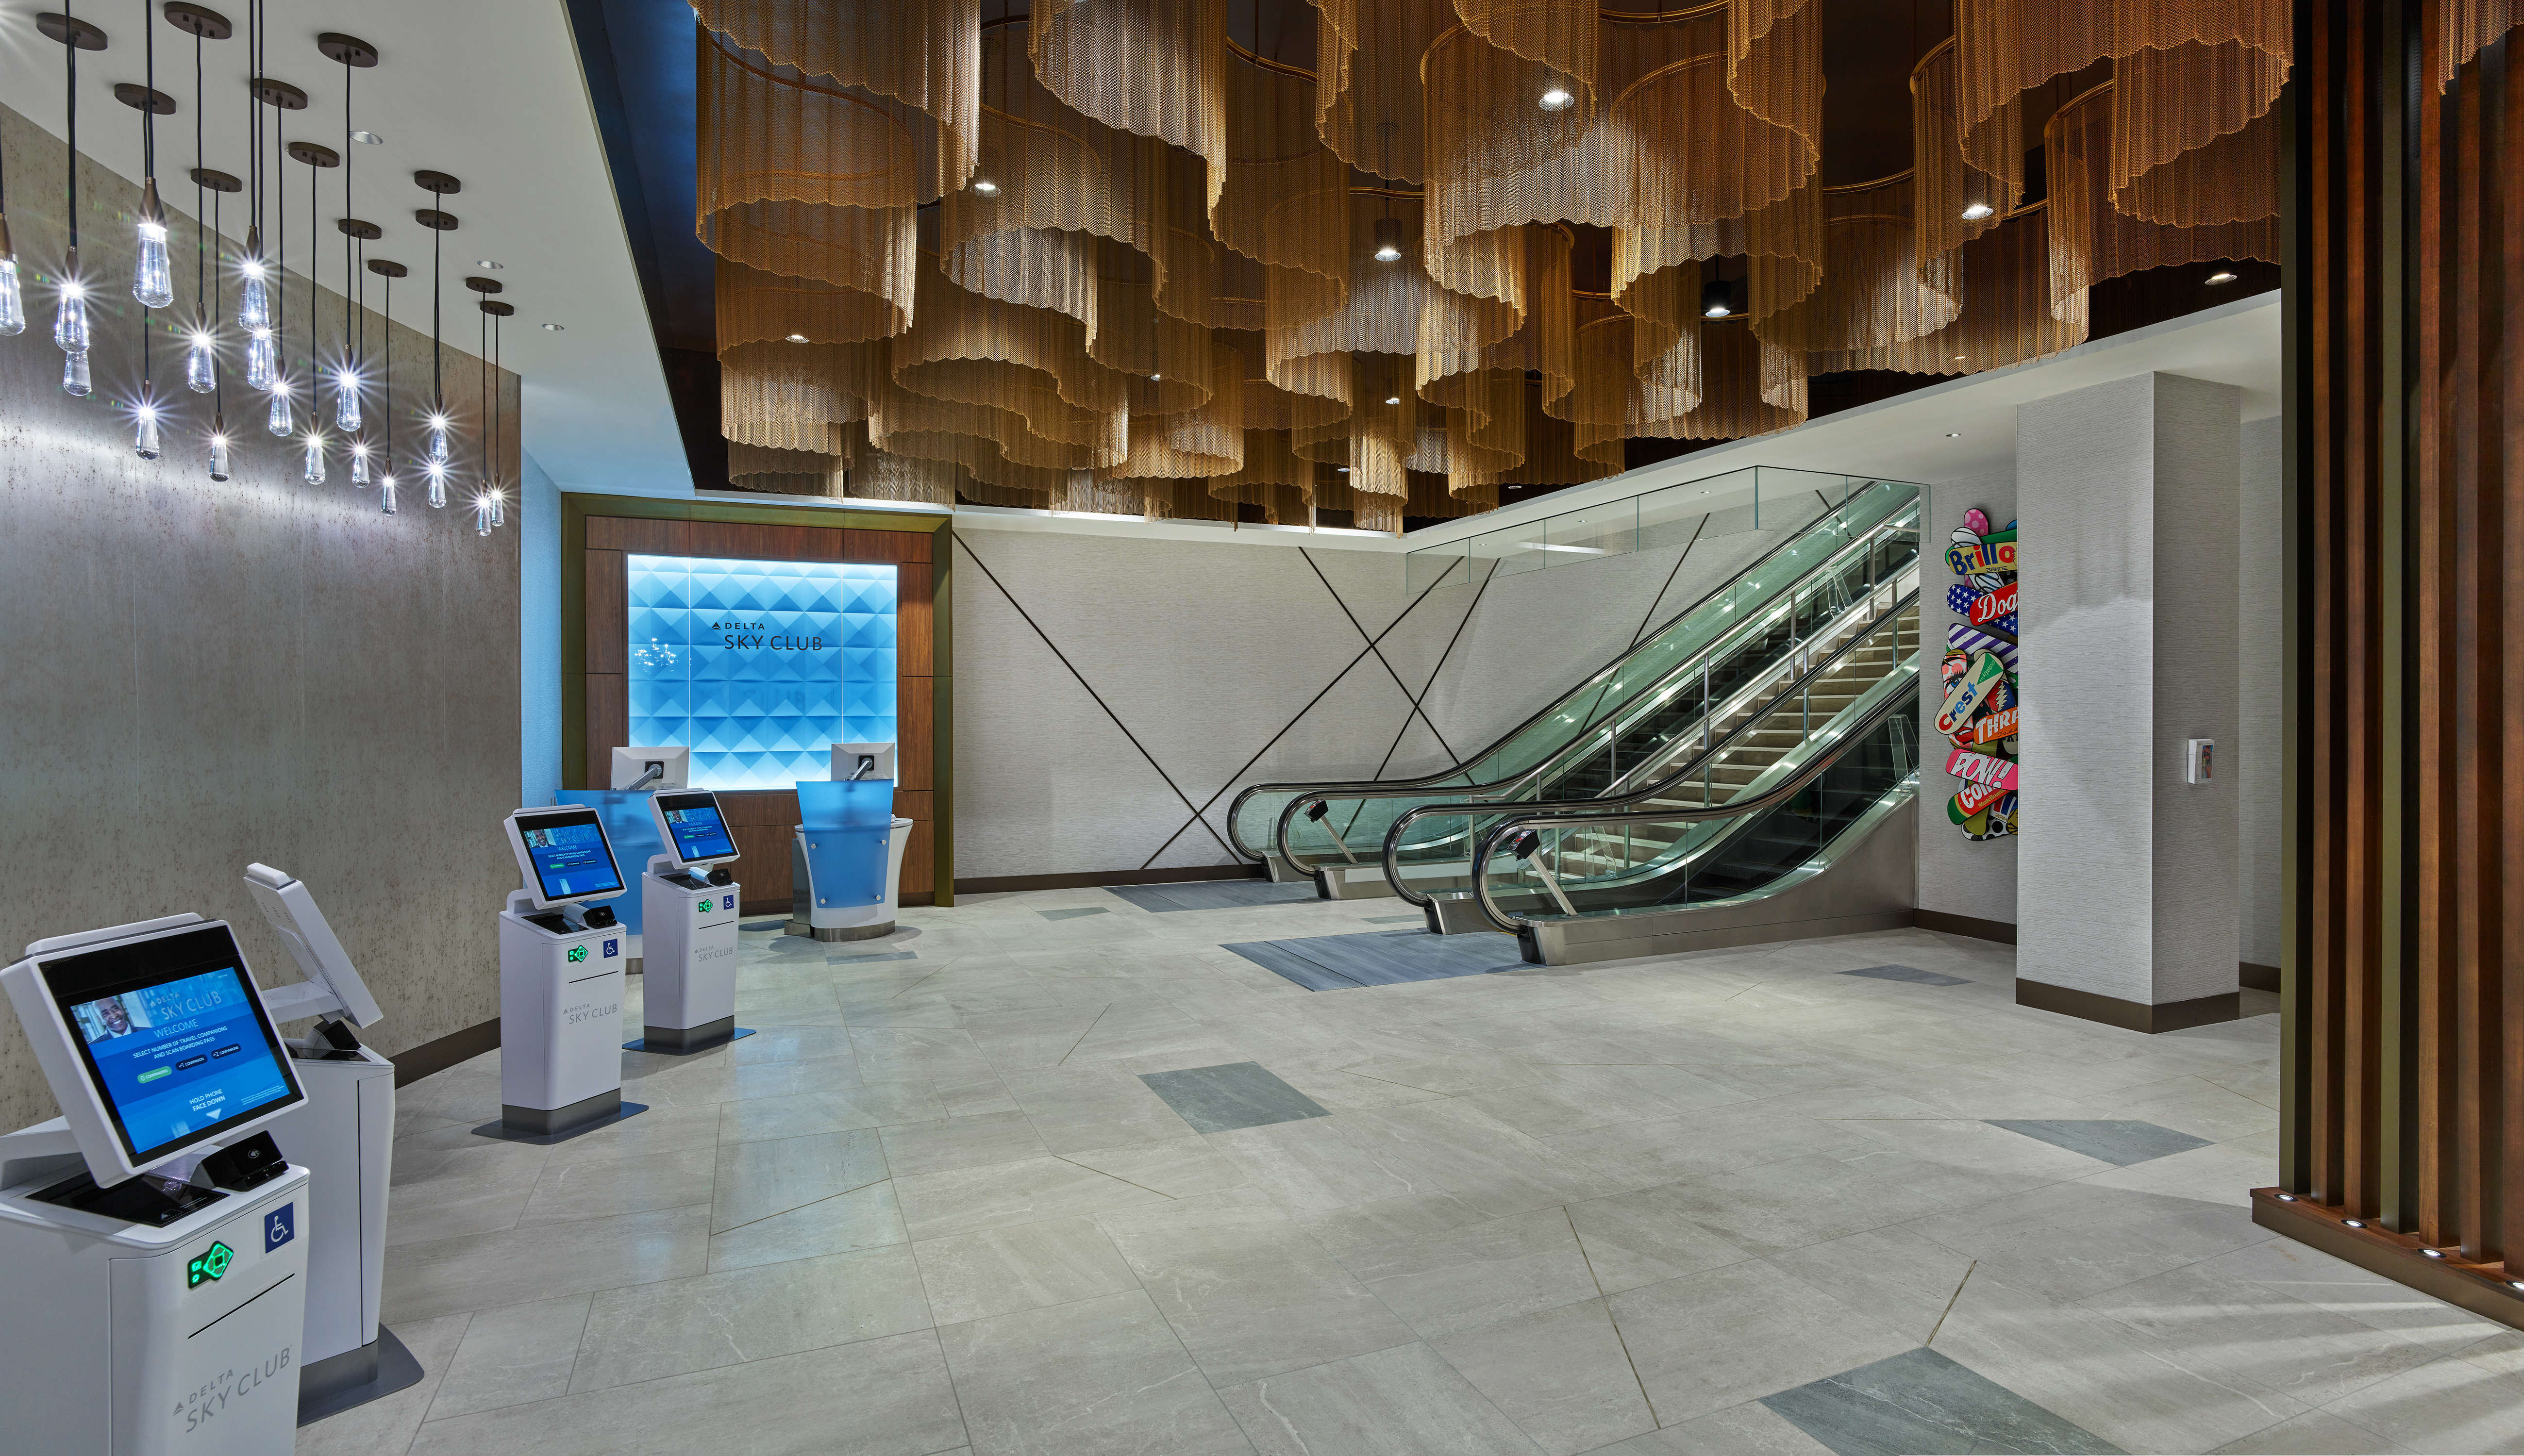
688	905
344	1134
153	1242
560	981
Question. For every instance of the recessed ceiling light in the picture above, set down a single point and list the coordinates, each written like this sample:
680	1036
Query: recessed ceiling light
2221	277
370	137
2433	1253
1156	377
1978	210
1960	357
985	187
1950	434
1393	399
1557	99
797	338
1341	469
493	263
553	328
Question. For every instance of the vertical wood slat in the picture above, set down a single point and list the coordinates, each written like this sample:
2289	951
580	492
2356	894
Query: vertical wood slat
608	717
915	726
2410	822
914	634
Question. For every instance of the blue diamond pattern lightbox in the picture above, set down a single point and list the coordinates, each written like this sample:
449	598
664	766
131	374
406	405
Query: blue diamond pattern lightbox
759	668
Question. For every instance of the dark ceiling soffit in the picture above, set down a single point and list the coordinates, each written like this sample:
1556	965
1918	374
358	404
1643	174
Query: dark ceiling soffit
595	42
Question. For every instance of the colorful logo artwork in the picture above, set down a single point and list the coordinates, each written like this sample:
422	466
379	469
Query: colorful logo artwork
1978	705
577	953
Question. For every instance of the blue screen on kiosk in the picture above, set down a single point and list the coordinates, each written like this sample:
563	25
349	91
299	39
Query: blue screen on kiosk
700	833
179	1057
570	857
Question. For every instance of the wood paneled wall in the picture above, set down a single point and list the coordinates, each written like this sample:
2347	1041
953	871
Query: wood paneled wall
2402	1057
599	533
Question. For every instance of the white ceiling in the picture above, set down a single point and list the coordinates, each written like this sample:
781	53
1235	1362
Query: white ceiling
488	90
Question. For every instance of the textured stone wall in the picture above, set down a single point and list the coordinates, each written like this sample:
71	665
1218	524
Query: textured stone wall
199	675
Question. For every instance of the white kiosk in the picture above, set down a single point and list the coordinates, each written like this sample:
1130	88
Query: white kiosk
687	907
846	863
560	981
153	1242
344	1134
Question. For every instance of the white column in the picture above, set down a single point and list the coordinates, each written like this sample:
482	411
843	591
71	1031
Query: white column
2128	877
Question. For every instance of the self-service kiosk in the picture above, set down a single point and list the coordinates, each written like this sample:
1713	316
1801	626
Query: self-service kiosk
344	1134
560	981
154	1242
688	903
846	863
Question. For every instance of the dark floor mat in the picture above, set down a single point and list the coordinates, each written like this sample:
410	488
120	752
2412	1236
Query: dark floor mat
1380	958
1211	894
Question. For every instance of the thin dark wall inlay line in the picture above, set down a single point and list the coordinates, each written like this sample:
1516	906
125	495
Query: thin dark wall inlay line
1091	693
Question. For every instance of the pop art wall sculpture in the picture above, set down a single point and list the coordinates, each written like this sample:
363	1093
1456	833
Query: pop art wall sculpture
1979	710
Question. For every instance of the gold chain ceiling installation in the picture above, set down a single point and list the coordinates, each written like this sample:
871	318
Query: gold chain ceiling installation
1108	255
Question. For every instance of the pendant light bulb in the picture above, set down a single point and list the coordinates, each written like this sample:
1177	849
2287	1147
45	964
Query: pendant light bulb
200	366
74	376
438	449
218	447
1716	299
13	303
153	277
70	312
282	420
144	432
386	493
498	506
1389	239
437	474
262	360
482	515
346	400
315	469
253	295
360	462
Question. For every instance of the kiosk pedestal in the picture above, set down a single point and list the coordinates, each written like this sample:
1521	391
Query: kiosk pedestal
132	1339
345	1137
688	969
561	1024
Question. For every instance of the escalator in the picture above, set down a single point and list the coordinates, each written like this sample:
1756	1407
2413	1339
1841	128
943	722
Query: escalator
1822	840
1664	704
1768	735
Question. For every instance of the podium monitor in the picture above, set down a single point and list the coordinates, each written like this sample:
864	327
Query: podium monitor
691	827
303	927
653	768
862	760
153	1045
563	854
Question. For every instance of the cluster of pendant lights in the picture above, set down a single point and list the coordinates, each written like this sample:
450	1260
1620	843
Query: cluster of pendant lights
260	315
1100	254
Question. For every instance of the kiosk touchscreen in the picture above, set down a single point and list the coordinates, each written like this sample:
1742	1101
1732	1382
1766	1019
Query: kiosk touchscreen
688	917
561	979
344	1136
153	1224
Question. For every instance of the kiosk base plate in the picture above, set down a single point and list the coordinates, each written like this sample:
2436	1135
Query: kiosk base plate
354	1377
545	1127
802	929
685	1040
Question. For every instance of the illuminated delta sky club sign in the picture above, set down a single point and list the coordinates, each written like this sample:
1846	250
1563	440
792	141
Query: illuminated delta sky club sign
742	635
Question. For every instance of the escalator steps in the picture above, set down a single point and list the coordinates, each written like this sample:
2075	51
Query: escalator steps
1380	958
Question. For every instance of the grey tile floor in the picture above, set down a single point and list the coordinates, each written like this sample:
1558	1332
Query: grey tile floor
1634	1209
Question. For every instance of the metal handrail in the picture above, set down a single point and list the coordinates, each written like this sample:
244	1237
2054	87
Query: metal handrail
1504	788
1393	836
1237	804
1797	783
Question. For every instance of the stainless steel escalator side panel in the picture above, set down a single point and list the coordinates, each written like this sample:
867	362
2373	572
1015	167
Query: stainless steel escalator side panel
1874	884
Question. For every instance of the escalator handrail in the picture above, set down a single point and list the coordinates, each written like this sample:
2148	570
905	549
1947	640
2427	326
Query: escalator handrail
1504	788
1235	805
1797	783
1393	836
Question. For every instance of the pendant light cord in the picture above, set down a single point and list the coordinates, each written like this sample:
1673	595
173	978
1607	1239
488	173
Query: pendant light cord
70	44
201	240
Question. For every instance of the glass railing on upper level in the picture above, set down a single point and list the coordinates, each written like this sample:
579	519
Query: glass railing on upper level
1634	715
1764	732
1532	868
